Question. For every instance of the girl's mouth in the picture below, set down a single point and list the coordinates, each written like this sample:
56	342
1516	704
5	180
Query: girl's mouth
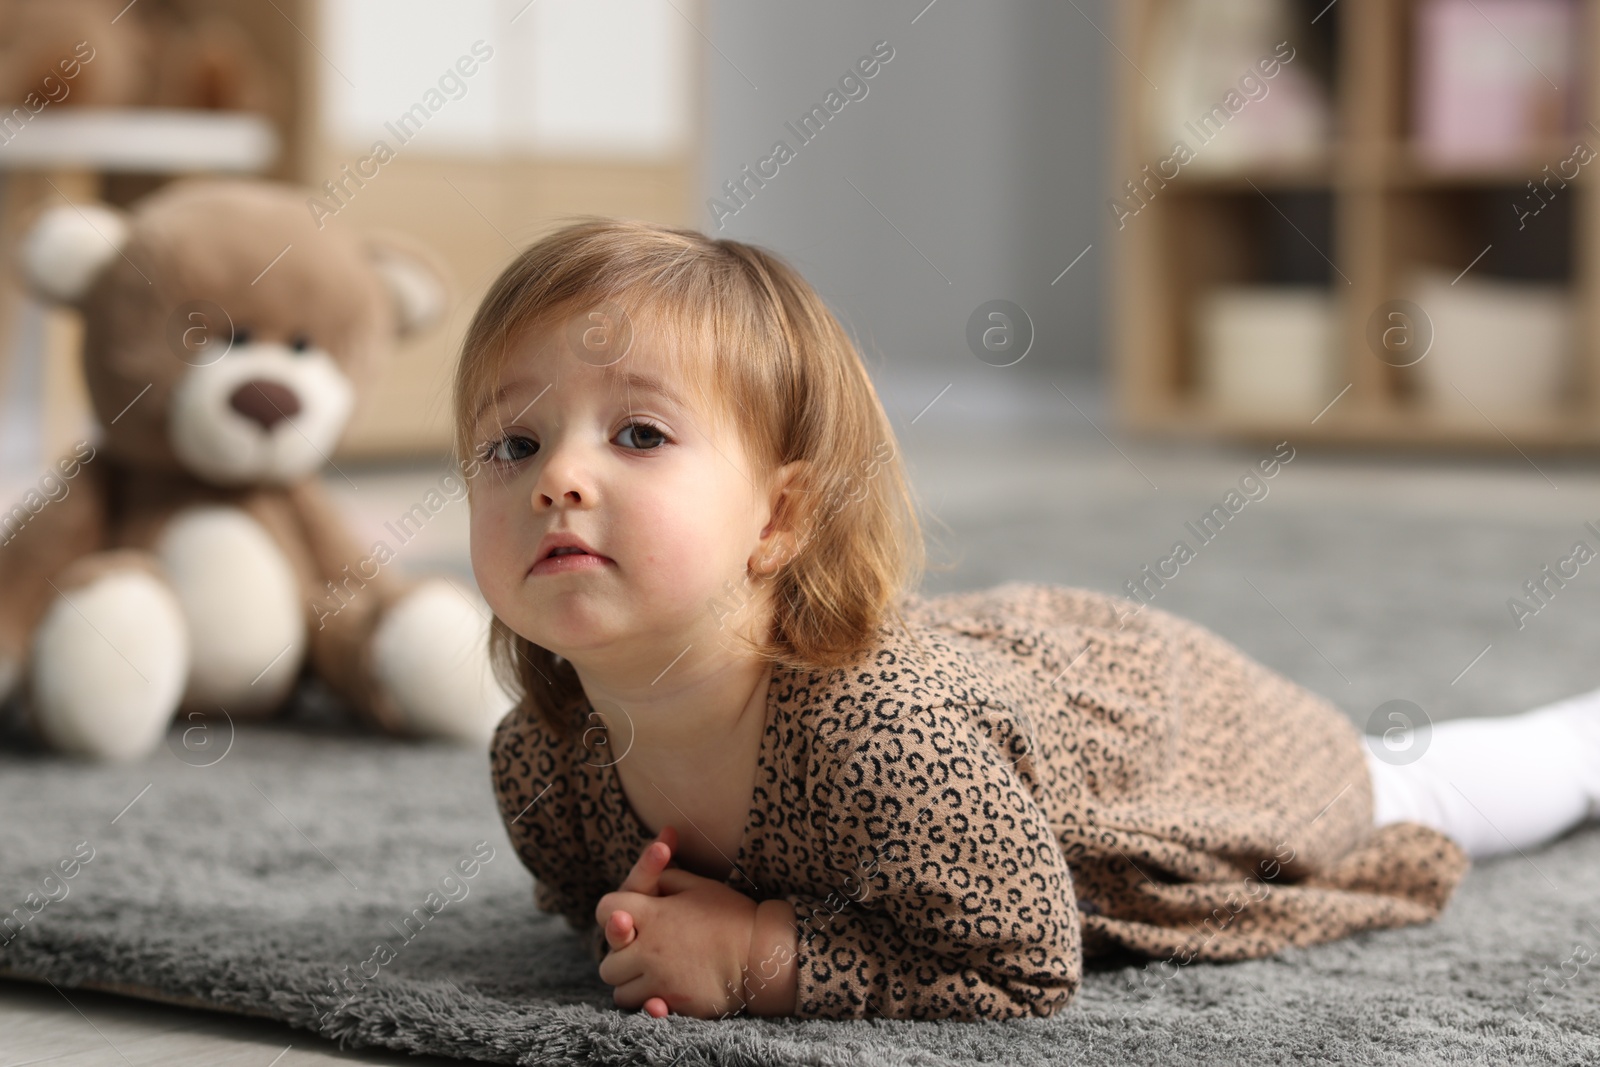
567	563
564	555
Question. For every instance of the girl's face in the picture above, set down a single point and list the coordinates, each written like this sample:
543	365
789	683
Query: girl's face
609	510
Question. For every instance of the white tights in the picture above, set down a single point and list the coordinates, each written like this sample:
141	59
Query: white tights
1497	784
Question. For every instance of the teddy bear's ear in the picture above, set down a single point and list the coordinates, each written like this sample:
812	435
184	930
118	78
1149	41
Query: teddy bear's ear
68	246
414	278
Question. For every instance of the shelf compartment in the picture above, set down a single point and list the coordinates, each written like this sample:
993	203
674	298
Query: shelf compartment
1392	211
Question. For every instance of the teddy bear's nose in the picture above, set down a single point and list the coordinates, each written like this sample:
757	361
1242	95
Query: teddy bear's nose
264	401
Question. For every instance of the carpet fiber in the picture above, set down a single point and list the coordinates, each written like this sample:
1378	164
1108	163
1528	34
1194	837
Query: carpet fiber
257	883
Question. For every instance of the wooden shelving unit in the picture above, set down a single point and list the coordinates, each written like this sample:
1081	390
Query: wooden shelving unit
1388	212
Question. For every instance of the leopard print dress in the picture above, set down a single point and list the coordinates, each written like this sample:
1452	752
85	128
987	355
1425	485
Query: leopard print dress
1007	784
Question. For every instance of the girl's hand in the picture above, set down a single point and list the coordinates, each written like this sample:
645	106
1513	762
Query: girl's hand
685	945
620	931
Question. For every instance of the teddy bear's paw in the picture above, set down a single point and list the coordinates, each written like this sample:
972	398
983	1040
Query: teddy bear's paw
431	656
239	594
110	661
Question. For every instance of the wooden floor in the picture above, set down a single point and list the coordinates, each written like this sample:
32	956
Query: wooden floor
72	1028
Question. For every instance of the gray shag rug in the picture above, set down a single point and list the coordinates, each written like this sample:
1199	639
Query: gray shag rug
260	884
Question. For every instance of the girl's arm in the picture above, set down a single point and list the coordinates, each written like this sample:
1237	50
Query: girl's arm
537	805
954	900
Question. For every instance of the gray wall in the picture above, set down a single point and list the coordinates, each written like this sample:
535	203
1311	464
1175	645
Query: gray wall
984	140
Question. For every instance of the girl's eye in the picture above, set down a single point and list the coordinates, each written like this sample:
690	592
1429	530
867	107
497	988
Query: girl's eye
508	449
641	436
241	335
300	342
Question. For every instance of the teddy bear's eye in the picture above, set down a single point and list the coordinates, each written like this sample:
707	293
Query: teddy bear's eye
300	342
241	335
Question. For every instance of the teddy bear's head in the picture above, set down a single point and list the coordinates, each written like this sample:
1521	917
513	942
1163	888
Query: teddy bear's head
225	334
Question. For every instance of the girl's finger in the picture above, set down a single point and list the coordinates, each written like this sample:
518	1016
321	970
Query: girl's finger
625	968
620	930
656	1007
633	993
651	862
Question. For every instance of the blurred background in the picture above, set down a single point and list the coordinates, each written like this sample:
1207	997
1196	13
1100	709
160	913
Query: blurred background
1101	258
1109	262
930	194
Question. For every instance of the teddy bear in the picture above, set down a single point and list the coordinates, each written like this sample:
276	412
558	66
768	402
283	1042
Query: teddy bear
185	562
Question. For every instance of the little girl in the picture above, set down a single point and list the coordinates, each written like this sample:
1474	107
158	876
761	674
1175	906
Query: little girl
764	778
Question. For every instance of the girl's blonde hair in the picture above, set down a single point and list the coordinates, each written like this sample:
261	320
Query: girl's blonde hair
787	376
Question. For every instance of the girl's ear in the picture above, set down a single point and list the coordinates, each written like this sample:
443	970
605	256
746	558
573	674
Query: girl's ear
780	538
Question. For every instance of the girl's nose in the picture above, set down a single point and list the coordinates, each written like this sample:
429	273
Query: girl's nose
562	481
571	496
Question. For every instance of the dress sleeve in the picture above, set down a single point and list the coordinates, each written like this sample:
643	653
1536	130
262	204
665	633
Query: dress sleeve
539	802
954	900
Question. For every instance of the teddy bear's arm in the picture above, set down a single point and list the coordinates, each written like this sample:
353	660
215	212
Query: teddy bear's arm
350	595
40	536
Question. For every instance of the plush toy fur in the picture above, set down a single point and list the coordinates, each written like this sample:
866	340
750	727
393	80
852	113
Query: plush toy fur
188	564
